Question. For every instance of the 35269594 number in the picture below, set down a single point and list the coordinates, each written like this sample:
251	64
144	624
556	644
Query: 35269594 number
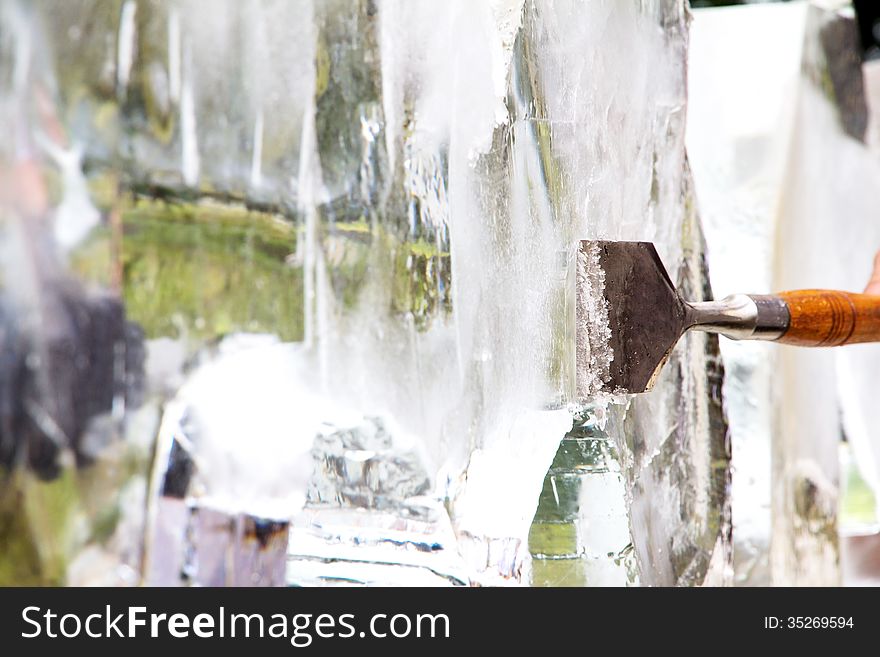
808	622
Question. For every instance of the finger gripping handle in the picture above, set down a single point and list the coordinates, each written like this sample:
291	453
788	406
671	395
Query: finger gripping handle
828	318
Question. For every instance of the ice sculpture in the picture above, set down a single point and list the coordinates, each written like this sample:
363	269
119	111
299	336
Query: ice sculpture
345	230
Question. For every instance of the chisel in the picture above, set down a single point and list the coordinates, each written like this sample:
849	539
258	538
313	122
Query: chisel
630	316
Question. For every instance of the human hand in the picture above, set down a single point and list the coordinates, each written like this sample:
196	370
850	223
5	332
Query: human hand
873	286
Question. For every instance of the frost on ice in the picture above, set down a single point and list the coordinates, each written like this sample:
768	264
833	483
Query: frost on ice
592	332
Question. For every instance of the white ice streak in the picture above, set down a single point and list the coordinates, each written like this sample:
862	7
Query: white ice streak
188	128
125	46
257	157
174	54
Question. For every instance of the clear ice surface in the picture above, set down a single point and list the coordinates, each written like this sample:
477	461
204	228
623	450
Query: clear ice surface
342	234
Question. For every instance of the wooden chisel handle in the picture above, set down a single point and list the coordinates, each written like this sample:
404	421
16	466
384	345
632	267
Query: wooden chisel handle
829	318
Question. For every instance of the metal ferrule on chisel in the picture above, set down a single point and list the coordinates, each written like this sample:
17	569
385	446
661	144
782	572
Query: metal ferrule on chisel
740	316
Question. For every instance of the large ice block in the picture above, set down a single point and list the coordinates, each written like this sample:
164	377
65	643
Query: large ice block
398	187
